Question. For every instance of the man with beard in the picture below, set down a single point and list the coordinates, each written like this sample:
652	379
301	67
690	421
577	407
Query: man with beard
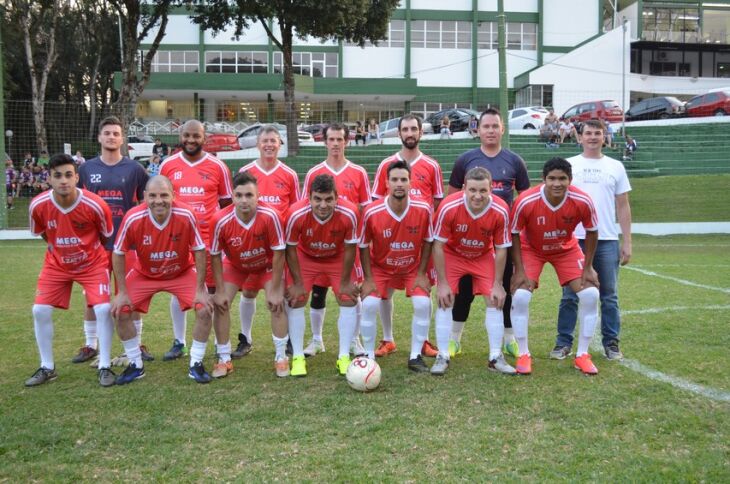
203	182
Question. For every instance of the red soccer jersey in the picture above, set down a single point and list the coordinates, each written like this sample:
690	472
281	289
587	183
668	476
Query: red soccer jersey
395	241
322	239
351	181
73	234
249	247
165	250
468	235
427	180
278	187
200	185
546	229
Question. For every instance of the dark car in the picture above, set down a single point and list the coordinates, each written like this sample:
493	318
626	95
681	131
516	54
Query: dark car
458	117
716	103
606	110
656	108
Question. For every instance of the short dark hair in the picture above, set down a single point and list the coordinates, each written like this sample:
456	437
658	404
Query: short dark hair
337	127
110	120
244	178
399	165
409	117
493	111
596	124
478	173
323	184
557	163
61	159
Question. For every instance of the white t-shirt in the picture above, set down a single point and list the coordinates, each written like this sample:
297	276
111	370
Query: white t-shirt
602	178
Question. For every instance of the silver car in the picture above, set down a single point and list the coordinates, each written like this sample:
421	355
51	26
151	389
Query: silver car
389	128
532	117
247	137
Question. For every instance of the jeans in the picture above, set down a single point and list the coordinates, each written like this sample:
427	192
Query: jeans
606	263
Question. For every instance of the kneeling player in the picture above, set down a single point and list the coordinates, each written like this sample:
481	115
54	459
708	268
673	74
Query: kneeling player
250	235
170	257
472	237
321	237
543	221
75	223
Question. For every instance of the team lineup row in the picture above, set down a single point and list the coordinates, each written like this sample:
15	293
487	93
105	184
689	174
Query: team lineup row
204	237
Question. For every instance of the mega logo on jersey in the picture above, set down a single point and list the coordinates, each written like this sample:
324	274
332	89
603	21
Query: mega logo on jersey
402	246
67	241
163	255
555	234
192	191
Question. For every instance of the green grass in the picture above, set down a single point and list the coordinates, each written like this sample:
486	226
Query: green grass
470	425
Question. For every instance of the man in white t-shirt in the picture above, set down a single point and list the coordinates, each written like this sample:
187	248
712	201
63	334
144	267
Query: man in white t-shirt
605	180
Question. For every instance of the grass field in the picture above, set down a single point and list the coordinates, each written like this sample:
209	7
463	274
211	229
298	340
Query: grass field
625	424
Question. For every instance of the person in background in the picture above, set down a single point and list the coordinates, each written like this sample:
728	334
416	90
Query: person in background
360	133
473	126
154	167
79	158
373	134
445	128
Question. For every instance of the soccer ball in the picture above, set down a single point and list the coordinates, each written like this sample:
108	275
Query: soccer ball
363	374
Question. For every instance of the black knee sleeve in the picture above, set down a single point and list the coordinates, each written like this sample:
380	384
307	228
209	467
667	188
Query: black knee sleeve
319	297
463	300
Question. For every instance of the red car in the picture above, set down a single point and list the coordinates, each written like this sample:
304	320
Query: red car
607	110
715	103
217	142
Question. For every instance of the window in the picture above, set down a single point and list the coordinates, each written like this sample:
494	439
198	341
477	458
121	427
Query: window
487	35
441	34
312	64
175	61
243	62
723	69
664	24
520	36
396	36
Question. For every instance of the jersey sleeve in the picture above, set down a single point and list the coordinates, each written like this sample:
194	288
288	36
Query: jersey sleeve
196	241
502	236
456	179
294	189
225	184
125	236
589	217
104	220
428	227
438	182
351	236
275	233
364	196
366	230
522	179
379	183
442	230
307	181
518	217
142	178
293	229
622	181
37	223
215	235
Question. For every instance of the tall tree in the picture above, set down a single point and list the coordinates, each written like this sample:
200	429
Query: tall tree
354	21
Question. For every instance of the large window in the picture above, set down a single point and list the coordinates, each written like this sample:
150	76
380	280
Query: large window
441	34
175	61
670	24
396	36
716	26
535	95
236	62
520	36
312	64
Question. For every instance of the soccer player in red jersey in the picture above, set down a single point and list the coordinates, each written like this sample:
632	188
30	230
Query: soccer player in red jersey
395	245
250	235
278	187
203	182
472	237
352	185
427	185
75	223
170	257
543	220
321	237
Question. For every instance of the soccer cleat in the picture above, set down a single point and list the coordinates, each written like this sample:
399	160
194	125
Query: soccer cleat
85	354
107	377
146	355
584	364
511	349
440	366
41	376
95	362
314	347
120	360
500	365
612	351
243	348
221	369
281	365
560	352
524	365
356	348
197	372
176	351
418	365
454	348
429	350
385	348
130	374
343	362
298	366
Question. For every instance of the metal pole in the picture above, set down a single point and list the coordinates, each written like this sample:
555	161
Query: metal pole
503	99
3	206
121	42
623	78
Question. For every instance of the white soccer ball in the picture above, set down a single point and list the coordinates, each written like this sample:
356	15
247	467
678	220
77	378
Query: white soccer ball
363	374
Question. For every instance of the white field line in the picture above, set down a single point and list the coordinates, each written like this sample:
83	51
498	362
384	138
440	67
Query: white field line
682	265
714	307
678	280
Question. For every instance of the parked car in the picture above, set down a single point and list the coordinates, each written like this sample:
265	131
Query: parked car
606	110
459	118
317	131
389	128
247	137
716	103
141	147
215	142
656	108
527	118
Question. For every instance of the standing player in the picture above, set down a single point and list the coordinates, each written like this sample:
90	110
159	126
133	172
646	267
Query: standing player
472	237
509	174
120	182
321	237
251	236
427	185
543	220
605	180
278	187
170	257
204	183
353	185
395	245
75	223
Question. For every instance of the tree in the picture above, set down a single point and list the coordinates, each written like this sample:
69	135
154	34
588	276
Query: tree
354	21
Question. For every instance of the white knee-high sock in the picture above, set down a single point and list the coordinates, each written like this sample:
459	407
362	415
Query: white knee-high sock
131	349
386	318
247	308
179	321
280	346
43	325
197	351
346	327
90	333
224	352
443	330
105	328
368	329
494	322
297	323
457	329
520	316
316	322
588	317
420	323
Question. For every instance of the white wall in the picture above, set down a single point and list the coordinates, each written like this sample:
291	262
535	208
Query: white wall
180	30
376	62
569	22
441	5
255	34
441	67
509	5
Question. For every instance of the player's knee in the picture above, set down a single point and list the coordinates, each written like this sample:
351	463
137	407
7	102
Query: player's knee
589	296
101	310
521	299
370	307
203	317
249	295
421	307
319	297
346	302
42	312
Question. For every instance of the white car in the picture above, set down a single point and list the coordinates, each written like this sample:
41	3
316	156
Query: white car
247	137
141	147
389	128
527	118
